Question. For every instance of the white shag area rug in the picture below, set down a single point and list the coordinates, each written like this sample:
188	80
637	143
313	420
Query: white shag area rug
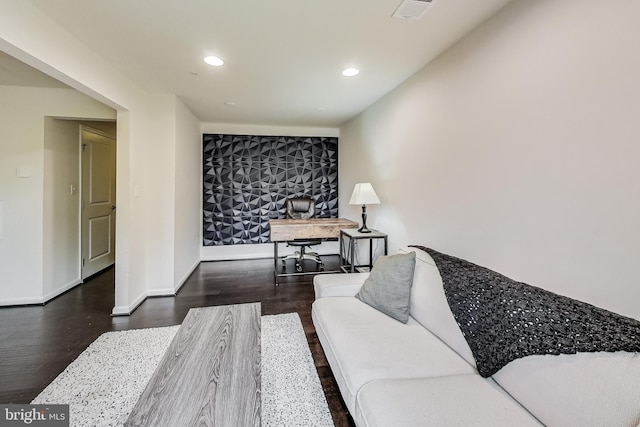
103	384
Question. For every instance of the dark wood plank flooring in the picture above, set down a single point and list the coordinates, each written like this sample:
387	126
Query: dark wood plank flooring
38	342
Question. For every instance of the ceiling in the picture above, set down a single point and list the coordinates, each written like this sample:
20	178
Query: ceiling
283	58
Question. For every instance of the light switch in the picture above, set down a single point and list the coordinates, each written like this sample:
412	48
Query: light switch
72	189
24	172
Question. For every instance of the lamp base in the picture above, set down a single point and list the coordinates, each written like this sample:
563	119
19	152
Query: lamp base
364	228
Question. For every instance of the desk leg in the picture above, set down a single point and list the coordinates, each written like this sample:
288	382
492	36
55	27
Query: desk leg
341	243
385	245
275	261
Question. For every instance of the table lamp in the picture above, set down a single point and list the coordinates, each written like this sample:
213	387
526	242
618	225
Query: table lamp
364	194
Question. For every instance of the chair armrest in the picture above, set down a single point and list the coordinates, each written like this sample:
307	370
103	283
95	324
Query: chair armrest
338	285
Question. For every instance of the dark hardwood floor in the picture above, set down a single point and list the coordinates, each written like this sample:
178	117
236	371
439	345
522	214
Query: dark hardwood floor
38	342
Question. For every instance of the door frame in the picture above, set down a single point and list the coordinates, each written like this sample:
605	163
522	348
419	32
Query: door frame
81	128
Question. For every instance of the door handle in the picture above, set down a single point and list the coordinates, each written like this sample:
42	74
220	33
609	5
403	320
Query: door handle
113	208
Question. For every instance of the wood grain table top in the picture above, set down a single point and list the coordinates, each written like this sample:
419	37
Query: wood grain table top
210	374
315	228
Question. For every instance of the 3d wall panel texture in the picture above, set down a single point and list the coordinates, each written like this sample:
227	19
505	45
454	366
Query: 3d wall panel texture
247	179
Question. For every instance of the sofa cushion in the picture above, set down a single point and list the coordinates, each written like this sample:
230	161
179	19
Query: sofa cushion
429	305
459	400
363	345
388	287
584	389
338	285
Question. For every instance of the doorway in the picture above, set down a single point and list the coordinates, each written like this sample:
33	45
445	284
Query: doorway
98	184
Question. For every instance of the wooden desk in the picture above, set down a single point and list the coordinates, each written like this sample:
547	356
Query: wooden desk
210	374
283	230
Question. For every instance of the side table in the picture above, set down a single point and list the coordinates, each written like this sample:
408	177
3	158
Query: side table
353	235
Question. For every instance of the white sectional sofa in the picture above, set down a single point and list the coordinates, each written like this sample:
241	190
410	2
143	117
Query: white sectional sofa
423	373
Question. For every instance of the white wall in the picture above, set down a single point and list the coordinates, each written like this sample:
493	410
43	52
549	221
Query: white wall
212	253
188	193
175	162
157	188
61	229
154	241
29	35
518	150
26	247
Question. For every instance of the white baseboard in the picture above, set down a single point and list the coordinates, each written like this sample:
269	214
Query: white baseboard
21	301
182	281
166	292
41	300
51	295
120	310
124	310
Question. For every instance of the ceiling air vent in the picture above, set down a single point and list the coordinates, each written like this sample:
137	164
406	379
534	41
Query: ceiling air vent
411	9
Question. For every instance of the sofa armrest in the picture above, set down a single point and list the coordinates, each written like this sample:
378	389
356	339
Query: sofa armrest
338	285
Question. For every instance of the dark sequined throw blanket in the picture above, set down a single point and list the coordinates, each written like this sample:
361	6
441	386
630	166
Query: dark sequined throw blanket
503	320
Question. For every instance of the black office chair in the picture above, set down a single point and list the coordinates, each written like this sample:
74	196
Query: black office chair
302	208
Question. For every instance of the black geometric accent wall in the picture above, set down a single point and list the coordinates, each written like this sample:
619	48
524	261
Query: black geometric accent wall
247	179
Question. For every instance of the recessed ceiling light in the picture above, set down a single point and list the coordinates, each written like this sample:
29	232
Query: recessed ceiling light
350	72
213	60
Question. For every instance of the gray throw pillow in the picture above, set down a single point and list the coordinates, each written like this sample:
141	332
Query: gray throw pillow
388	287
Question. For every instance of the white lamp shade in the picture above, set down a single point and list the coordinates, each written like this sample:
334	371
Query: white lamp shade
364	194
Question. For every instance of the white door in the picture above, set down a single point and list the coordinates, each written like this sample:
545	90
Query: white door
98	201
